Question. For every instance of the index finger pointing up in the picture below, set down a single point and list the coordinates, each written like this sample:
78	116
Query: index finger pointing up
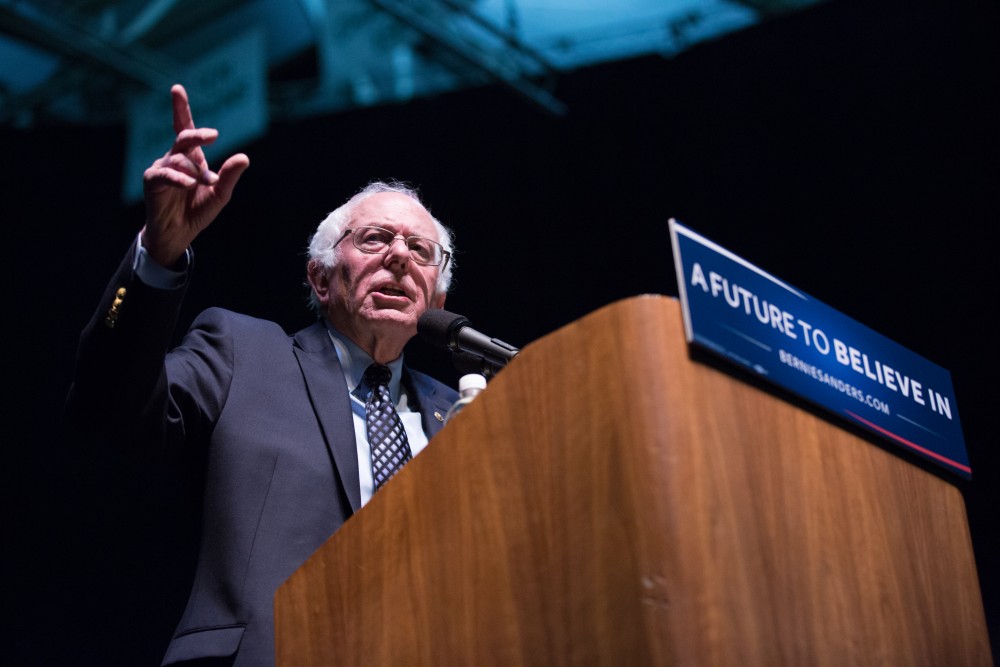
182	109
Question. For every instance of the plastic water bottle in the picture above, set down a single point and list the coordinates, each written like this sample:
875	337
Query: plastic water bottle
469	387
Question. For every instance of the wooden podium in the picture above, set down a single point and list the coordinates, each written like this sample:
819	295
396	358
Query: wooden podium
609	501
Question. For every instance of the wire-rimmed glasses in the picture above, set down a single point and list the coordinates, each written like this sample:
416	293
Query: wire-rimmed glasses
376	241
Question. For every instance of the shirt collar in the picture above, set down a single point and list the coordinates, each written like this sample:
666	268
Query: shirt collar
355	361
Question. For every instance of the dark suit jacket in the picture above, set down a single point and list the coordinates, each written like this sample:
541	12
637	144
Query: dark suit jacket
269	420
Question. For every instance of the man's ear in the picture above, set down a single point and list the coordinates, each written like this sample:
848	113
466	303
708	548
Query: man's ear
319	279
437	301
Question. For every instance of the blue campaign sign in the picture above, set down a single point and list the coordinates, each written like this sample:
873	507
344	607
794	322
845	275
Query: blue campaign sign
749	317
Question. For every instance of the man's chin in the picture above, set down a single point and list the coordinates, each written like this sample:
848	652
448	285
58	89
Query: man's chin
393	317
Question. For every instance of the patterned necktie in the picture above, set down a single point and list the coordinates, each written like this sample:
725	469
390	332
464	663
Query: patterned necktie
390	449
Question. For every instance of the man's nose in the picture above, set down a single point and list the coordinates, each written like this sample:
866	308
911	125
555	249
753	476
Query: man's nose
398	252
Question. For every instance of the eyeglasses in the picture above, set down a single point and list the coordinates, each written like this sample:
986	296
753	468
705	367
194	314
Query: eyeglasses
376	241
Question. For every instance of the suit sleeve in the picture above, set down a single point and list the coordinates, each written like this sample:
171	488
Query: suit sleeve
126	387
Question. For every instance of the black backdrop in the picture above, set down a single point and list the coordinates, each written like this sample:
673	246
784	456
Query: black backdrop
850	150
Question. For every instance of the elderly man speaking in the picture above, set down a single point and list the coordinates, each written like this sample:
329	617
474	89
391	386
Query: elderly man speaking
289	435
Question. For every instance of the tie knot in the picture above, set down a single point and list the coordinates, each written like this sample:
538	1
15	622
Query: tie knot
377	375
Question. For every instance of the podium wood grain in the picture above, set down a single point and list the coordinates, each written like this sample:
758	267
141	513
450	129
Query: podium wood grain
608	501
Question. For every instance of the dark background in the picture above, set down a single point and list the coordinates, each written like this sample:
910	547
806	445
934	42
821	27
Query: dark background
850	150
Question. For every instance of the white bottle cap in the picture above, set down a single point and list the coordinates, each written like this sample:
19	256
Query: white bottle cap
471	381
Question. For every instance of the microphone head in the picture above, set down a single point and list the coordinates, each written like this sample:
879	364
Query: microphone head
437	327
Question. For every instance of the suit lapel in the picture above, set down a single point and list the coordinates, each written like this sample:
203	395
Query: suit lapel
324	379
433	406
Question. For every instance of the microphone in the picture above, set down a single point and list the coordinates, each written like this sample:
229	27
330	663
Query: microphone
453	332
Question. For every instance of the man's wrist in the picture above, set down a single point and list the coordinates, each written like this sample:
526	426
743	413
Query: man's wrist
156	275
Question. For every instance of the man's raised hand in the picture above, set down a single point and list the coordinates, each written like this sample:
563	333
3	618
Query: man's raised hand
183	196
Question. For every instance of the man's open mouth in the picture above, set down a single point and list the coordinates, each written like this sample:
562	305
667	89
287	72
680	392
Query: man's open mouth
389	290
